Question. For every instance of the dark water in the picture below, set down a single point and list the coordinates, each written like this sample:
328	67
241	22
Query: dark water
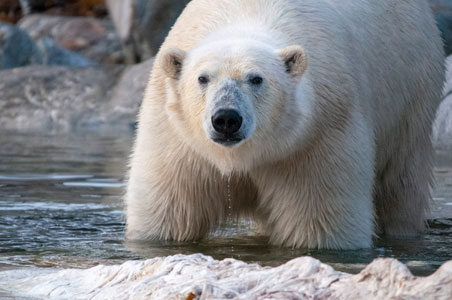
60	207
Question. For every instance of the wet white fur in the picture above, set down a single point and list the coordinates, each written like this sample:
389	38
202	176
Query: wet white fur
337	155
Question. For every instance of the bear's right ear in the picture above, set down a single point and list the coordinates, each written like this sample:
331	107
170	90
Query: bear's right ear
171	62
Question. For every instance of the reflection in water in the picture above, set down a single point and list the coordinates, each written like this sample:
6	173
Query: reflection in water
60	206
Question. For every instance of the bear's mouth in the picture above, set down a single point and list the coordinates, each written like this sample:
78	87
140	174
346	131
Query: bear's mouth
227	141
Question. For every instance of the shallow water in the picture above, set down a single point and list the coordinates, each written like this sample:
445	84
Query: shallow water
60	207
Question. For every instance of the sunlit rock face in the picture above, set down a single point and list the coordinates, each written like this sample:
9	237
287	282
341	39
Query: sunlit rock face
201	277
55	97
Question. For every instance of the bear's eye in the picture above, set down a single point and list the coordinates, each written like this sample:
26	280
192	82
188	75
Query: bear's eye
203	79
256	80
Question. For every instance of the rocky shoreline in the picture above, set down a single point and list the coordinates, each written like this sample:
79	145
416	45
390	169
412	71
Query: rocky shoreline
202	277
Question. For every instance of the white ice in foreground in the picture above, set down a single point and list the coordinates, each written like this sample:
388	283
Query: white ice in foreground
201	277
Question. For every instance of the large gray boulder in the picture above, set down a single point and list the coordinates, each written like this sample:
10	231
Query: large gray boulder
58	98
92	38
67	98
444	21
443	15
442	129
54	55
143	24
16	48
128	94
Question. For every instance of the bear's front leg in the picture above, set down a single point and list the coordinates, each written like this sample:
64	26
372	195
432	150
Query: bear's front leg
171	195
321	198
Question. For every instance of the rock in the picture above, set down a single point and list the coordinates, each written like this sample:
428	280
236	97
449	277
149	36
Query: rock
121	12
143	24
442	128
201	277
92	38
16	48
444	21
65	98
60	98
441	5
443	15
52	54
128	93
386	278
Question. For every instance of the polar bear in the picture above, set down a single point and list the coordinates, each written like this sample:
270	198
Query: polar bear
313	117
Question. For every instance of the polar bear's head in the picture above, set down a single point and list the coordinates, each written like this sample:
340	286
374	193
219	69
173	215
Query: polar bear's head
237	103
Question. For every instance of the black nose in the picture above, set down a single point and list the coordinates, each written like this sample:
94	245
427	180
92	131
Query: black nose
227	121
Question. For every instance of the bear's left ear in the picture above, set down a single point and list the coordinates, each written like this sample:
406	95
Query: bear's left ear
171	62
295	60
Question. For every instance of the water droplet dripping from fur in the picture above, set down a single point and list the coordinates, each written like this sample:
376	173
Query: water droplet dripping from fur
229	199
230	220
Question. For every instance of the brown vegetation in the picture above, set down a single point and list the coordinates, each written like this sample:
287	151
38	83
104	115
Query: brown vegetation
11	10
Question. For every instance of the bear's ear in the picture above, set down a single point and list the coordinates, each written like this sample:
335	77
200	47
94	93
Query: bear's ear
171	62
295	60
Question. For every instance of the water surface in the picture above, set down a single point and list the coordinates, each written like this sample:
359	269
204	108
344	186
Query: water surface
60	207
